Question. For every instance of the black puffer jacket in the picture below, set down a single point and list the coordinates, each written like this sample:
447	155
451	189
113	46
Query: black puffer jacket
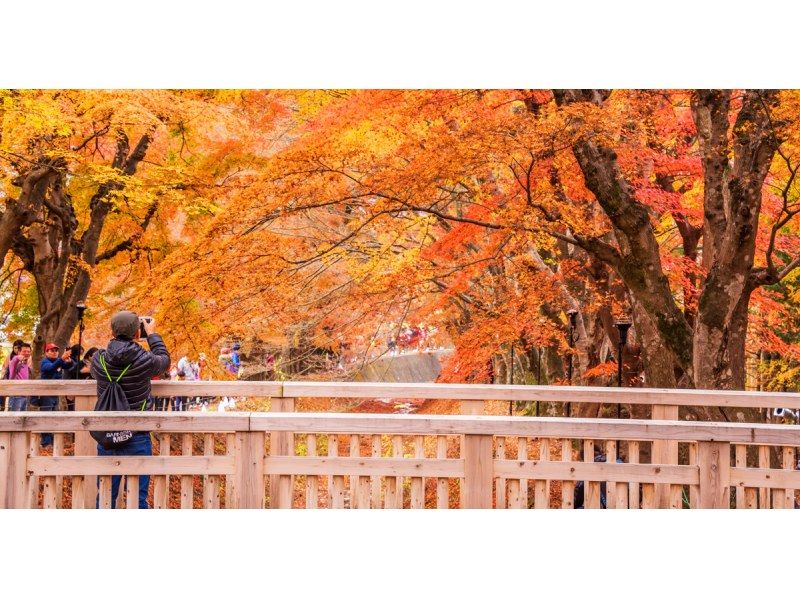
144	365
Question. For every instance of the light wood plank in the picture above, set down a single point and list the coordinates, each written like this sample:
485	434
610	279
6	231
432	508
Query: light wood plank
210	482
353	480
230	480
541	487
611	488
78	493
155	466
500	483
312	481
375	481
105	492
85	446
49	494
249	467
478	475
333	451
442	487
161	482
741	462
665	452
132	493
788	456
713	459
591	490
596	472
418	483
187	486
567	487
58	450
763	463
633	487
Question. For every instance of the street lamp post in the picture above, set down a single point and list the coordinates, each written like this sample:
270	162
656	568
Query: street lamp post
573	321
622	328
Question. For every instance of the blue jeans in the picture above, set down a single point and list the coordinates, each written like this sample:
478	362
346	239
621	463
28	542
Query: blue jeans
17	403
140	445
47	404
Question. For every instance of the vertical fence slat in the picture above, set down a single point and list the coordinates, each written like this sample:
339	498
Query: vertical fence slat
58	451
396	484
33	485
161	482
353	480
541	488
187	488
78	492
788	463
375	481
333	452
591	490
513	485
741	461
442	487
567	486
85	446
665	452
336	481
312	498
281	444
230	480
105	492
500	483
611	488
763	463
522	455
694	489
418	484
210	482
633	487
49	494
132	492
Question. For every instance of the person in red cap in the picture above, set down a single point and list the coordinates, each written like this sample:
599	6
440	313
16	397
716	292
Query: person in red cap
52	367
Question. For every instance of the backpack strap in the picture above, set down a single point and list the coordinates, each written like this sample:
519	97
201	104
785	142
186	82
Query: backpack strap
105	369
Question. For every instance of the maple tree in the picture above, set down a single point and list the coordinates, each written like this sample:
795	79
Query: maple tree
91	180
485	215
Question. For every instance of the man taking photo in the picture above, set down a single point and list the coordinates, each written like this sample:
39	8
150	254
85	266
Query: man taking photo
124	352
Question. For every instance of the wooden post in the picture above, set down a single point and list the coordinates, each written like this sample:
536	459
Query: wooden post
468	408
249	467
281	444
714	461
665	452
478	474
14	483
85	446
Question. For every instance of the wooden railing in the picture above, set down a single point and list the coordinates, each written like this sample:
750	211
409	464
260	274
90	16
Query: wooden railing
399	461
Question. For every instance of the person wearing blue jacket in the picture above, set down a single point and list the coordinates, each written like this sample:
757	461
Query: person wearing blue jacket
52	367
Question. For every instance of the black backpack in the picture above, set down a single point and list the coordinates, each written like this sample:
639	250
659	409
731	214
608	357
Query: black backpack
113	399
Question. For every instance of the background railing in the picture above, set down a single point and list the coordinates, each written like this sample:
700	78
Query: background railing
232	460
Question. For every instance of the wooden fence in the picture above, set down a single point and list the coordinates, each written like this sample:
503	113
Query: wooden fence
240	460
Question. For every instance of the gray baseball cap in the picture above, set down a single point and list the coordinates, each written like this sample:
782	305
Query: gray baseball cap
124	323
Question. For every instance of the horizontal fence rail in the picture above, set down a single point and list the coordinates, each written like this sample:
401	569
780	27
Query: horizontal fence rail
433	391
299	460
